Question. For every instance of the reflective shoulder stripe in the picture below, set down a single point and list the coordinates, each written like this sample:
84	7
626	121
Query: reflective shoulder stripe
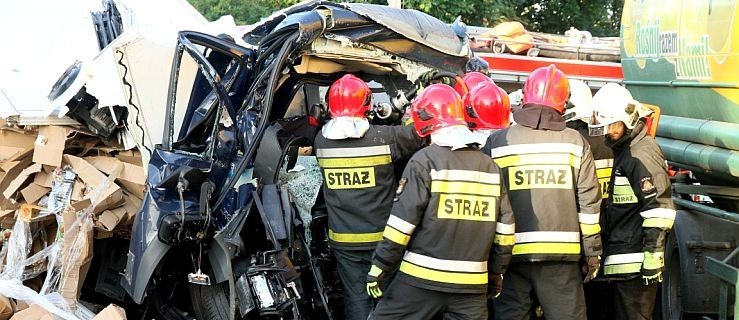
622	181
603	173
443	276
603	163
445	265
352	152
624	258
503	228
546	248
503	151
396	236
465	175
547	236
400	224
589	218
354	237
659	213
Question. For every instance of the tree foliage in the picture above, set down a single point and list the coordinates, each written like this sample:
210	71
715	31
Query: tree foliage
600	17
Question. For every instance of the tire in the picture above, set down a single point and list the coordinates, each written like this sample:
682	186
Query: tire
672	304
210	302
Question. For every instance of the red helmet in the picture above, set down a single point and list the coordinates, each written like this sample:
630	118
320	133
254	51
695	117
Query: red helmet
487	107
349	97
547	86
438	106
471	80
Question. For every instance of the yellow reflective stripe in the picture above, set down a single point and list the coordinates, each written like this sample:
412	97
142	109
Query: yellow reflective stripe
603	173
354	162
396	236
622	268
504	240
353	152
589	229
456	187
658	223
546	248
354	237
528	159
443	276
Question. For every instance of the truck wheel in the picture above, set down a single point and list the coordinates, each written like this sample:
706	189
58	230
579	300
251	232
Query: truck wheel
210	302
672	304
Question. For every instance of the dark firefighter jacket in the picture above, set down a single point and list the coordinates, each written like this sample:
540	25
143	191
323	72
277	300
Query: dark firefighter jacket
451	224
603	157
359	181
640	209
553	189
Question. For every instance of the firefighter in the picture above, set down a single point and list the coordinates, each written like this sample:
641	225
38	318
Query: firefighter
357	162
471	80
450	228
578	113
486	110
555	197
640	211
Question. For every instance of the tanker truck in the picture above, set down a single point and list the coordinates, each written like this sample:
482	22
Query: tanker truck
682	57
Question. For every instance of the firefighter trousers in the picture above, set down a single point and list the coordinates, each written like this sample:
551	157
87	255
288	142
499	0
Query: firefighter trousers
556	285
633	300
353	266
403	301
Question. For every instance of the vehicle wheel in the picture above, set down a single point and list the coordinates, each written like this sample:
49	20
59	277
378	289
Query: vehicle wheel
210	302
672	304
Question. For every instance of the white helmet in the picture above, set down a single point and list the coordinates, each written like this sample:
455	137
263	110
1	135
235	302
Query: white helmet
611	104
581	99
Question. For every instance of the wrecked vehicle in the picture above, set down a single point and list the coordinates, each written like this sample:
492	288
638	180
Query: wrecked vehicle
232	221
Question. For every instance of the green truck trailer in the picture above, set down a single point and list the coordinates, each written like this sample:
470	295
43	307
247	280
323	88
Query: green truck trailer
683	56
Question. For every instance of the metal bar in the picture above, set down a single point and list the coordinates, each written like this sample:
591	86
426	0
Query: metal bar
677	83
723	300
731	216
706	190
723	271
718	245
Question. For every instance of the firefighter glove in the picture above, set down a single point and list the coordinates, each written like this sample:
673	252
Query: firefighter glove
373	282
590	270
495	285
651	269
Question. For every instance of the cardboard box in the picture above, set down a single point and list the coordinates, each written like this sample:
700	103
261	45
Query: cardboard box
111	312
34	312
20	180
111	196
6	307
43	179
14	141
49	145
131	156
10	174
131	177
33	192
74	268
109	219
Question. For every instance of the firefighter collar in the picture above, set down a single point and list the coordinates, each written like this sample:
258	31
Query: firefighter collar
455	137
345	127
482	136
540	117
